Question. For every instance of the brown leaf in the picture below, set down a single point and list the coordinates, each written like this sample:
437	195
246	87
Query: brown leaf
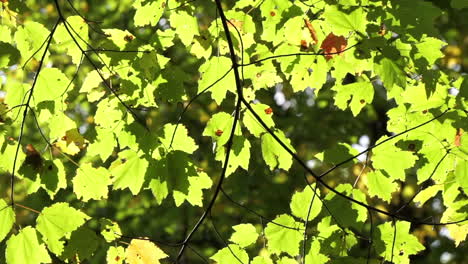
312	31
333	45
33	157
458	137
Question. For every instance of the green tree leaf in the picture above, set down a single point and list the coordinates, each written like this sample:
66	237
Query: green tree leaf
302	201
231	255
281	239
7	219
25	248
212	70
129	171
239	157
362	93
403	244
459	4
115	255
314	255
380	185
29	38
182	141
91	183
57	222
390	72
82	244
78	27
343	21
148	12
274	154
51	84
9	55
110	230
266	114
244	235
393	160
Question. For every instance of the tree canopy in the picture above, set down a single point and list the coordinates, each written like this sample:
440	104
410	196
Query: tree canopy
248	131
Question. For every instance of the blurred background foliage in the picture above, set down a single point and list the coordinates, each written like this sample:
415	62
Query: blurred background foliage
312	123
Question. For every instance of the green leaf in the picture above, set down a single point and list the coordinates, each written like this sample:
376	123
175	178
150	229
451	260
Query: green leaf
378	184
91	183
287	260
91	87
58	221
454	213
219	127
266	114
195	190
5	34
239	156
109	230
182	141
301	201
314	255
29	38
263	76
8	146
421	198
261	260
9	56
344	21
7	219
402	244
25	248
82	244
53	177
104	144
51	84
115	255
272	11
119	37
281	239
231	254
78	28
244	235
16	91
59	124
461	174
459	4
129	171
210	72
345	212
393	160
109	114
435	99
411	24
429	49
186	26
362	93
148	14
274	154
337	154
390	72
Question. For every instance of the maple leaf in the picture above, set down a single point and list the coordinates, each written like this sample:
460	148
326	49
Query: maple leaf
333	45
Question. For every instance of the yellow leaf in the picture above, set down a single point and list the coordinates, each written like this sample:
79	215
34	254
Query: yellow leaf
143	252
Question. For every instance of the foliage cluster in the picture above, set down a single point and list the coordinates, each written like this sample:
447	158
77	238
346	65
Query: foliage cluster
166	131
